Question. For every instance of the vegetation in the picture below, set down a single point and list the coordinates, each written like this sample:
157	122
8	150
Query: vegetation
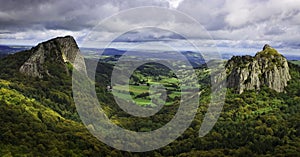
269	51
39	118
146	76
296	62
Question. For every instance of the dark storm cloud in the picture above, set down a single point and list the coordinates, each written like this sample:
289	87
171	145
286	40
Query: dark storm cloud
51	14
230	22
61	14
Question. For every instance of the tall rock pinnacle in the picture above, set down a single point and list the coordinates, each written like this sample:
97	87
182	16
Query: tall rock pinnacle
49	56
266	68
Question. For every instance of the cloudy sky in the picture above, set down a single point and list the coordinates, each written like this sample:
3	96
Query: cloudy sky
233	25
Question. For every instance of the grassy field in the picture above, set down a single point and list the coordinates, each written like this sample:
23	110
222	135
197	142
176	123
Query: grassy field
295	62
140	93
146	76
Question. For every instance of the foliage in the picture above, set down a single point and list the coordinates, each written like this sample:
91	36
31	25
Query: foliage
39	118
269	51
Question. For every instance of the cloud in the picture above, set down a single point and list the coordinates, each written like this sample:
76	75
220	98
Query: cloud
148	35
34	20
231	23
242	13
270	21
67	15
33	37
207	13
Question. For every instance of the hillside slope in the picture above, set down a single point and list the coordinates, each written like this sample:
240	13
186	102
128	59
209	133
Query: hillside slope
38	118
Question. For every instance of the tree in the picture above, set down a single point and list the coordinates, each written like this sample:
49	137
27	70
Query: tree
40	116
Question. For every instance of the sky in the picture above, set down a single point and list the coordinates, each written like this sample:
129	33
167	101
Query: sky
233	25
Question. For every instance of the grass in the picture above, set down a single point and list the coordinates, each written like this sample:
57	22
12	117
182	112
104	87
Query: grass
174	94
142	102
171	84
133	88
295	62
147	76
139	89
122	95
169	80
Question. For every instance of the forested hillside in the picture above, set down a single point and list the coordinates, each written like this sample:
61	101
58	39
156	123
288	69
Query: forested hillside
39	118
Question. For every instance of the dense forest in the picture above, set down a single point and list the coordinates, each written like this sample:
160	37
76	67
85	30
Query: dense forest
39	118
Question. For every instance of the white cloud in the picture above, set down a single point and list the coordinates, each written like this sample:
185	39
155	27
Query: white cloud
174	3
231	23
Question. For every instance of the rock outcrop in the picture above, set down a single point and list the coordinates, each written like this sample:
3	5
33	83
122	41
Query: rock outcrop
50	57
266	68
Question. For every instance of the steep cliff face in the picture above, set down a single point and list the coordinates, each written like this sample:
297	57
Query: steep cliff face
267	67
51	57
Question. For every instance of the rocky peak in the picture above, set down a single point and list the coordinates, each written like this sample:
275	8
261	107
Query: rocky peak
266	46
51	57
266	68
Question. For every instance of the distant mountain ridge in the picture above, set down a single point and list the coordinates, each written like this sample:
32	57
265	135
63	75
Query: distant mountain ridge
195	59
8	49
266	68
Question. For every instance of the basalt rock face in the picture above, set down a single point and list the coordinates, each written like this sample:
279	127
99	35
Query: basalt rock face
51	57
266	68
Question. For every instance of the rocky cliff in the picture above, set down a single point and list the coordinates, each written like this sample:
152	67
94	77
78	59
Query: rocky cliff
267	67
51	57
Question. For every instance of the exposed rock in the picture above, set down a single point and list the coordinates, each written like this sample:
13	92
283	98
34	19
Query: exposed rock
267	67
266	46
56	54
